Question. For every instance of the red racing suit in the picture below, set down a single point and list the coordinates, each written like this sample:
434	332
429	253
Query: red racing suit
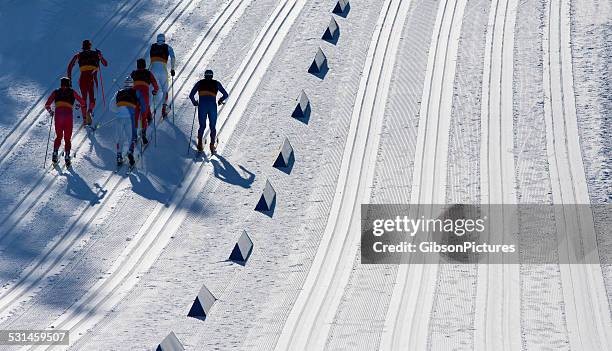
143	78
64	100
89	64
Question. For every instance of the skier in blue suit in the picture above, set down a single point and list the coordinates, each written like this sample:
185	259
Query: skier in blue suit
207	90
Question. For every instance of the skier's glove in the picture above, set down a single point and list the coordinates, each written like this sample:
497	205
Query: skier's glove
172	72
195	103
51	113
154	92
221	102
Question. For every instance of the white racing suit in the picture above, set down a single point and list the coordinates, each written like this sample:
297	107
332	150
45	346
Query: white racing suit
125	124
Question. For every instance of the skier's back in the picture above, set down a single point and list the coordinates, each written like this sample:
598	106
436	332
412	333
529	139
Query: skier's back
143	78
126	101
159	54
64	99
207	90
89	64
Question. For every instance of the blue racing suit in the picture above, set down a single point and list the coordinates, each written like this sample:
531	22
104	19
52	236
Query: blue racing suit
207	90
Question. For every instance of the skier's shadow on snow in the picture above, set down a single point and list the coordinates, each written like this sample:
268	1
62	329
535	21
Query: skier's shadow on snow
226	172
78	188
143	186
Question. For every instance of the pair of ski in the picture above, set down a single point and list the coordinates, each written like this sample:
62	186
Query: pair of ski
199	155
137	157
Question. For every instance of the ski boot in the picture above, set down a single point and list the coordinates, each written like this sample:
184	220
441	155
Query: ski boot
143	134
131	159
200	146
213	148
119	159
88	120
68	161
164	110
54	157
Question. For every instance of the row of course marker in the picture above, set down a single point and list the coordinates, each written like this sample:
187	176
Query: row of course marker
170	343
302	109
332	32
319	66
267	201
342	8
242	250
202	304
285	159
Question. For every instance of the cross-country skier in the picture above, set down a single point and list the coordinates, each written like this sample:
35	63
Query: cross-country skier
143	78
126	101
89	65
159	53
64	99
207	90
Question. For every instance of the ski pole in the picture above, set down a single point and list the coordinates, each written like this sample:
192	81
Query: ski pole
48	140
102	86
172	78
195	109
154	122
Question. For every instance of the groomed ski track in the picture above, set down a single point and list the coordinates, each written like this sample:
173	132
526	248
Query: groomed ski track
50	261
497	315
162	223
309	322
588	318
409	311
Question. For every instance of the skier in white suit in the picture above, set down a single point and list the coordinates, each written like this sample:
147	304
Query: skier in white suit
159	54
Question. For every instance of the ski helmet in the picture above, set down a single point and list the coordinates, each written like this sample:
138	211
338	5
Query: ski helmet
129	82
161	38
141	63
65	82
208	74
86	44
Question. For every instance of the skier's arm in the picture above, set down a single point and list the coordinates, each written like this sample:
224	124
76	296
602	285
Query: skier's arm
224	94
71	65
102	59
192	94
172	58
81	102
154	82
49	102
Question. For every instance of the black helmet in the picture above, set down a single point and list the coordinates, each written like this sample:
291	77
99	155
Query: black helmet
65	82
86	44
208	74
141	63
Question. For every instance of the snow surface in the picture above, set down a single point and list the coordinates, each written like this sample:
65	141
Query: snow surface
446	101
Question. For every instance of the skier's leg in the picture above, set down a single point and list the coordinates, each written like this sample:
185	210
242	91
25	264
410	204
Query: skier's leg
68	134
119	135
59	132
133	131
202	112
212	116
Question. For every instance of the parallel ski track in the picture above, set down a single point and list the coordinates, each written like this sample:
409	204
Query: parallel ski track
497	324
39	269
48	178
586	305
409	311
13	138
309	322
166	218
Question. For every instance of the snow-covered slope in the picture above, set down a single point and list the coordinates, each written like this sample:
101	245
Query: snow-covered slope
503	102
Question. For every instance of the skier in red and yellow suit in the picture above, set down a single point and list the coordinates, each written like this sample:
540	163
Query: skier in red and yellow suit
64	99
89	65
143	78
